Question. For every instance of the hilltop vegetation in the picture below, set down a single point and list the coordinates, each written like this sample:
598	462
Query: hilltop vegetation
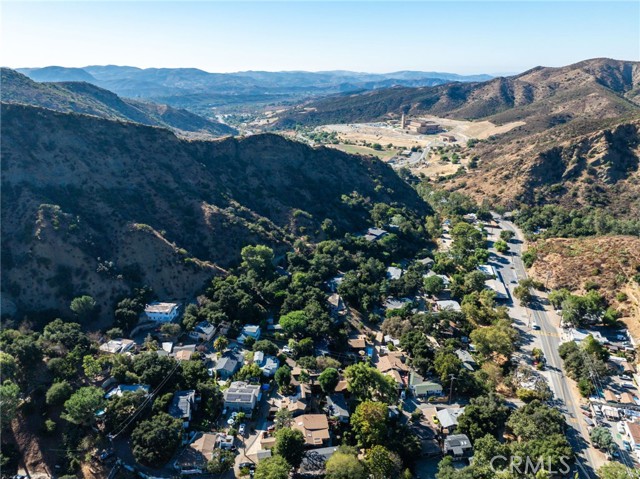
97	207
82	97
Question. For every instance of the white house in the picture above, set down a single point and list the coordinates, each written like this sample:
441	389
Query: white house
117	346
268	364
162	312
249	331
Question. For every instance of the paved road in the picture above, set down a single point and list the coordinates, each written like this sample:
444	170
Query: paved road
567	401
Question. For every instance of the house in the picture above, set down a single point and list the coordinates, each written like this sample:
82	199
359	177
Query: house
428	262
375	234
358	343
445	279
162	312
224	441
633	431
395	360
227	365
494	281
182	406
394	272
448	418
241	396
458	446
267	363
126	388
388	339
249	331
183	355
448	138
195	457
336	305
448	305
117	346
337	407
394	303
298	403
421	387
579	335
342	387
314	428
467	360
314	461
203	331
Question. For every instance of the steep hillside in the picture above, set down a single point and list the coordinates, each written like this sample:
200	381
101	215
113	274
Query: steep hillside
83	97
600	169
97	206
543	97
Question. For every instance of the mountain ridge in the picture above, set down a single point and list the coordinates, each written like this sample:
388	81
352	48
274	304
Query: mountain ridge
98	207
87	98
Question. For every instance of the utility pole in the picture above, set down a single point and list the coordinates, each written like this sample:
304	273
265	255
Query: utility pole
452	376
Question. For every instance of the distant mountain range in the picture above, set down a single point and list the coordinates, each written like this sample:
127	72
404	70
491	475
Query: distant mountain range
75	95
543	97
200	91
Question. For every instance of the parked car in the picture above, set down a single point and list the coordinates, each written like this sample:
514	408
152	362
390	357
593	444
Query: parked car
106	454
621	429
241	429
585	407
247	465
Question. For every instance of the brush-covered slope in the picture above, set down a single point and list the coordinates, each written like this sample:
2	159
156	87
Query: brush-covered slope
542	97
86	98
92	206
599	169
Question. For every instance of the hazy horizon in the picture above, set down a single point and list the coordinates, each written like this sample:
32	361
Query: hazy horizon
495	38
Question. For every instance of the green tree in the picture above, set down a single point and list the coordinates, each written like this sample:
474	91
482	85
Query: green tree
8	366
155	440
83	307
433	285
499	338
275	467
221	343
369	422
82	406
328	380
601	437
92	367
171	329
615	470
366	382
344	464
266	346
258	259
484	415
446	363
9	402
290	445
58	393
382	463
501	246
507	235
221	461
283	419
248	371
535	421
294	323
283	377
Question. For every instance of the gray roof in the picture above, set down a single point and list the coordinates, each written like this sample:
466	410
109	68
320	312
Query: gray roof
457	443
449	417
205	327
338	405
228	364
181	404
315	459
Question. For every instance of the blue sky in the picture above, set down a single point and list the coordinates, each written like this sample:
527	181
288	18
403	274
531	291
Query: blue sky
380	36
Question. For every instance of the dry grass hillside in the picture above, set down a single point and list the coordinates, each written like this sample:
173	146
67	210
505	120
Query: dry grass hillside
92	206
599	169
608	262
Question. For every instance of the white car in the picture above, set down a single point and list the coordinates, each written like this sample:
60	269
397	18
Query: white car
535	325
621	429
286	350
241	429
